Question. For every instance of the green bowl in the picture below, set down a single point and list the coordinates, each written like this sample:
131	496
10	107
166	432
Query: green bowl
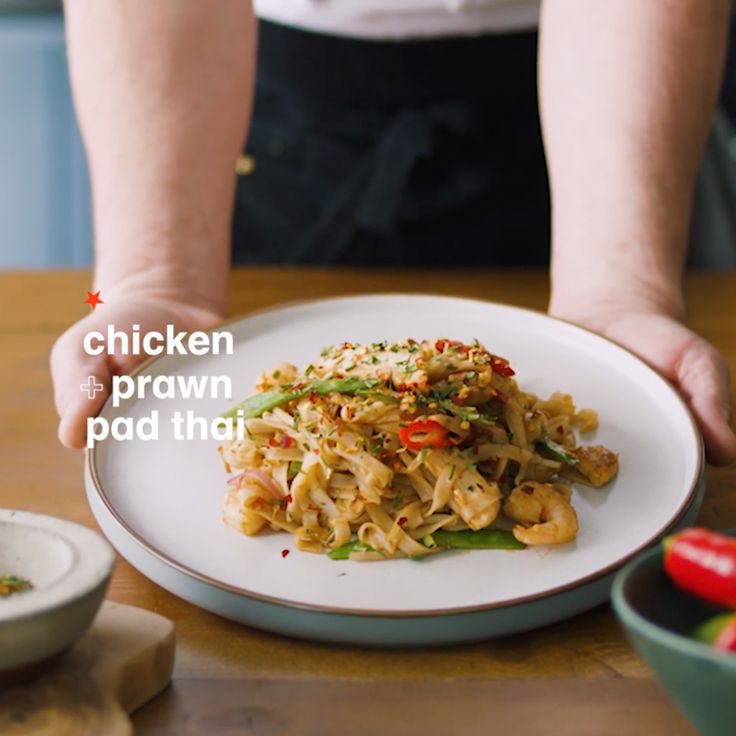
658	619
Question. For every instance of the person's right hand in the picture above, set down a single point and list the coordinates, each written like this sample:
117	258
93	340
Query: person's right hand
71	366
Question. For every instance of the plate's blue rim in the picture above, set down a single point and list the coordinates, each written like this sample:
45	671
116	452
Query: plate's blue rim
91	467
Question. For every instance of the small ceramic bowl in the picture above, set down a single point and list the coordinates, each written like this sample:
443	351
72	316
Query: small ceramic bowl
69	567
658	619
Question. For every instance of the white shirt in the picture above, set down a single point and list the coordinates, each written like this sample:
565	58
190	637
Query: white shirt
398	19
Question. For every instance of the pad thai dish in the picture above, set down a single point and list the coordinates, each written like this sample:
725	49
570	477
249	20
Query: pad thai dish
406	449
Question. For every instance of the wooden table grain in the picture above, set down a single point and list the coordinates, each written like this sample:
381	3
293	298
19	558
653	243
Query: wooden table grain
577	677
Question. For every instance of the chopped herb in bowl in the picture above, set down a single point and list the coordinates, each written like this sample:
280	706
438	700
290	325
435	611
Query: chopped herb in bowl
10	584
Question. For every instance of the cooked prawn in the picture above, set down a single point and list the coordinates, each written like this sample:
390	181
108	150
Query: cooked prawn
553	520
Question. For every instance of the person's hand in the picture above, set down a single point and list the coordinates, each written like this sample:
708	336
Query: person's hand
692	364
71	366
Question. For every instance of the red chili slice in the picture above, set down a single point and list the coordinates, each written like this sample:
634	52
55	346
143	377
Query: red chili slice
501	366
703	563
422	434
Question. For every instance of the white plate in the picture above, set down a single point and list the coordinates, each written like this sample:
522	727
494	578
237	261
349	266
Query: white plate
160	502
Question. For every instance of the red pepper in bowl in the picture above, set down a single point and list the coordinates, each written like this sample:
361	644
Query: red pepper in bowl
703	563
424	433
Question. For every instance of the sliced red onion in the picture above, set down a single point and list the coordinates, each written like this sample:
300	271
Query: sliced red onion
263	479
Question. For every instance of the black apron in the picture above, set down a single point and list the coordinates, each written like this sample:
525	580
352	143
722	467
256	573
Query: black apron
394	153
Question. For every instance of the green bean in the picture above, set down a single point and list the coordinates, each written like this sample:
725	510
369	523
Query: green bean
343	553
484	539
254	406
464	539
558	452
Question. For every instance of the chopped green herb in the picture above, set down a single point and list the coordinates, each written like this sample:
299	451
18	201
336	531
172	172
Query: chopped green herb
467	413
293	470
379	396
10	584
376	446
444	393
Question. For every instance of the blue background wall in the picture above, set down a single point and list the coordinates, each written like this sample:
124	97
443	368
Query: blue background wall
44	192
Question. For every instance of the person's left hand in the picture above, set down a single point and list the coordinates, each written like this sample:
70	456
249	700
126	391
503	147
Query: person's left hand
692	364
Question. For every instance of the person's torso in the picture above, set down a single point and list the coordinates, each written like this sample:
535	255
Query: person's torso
401	19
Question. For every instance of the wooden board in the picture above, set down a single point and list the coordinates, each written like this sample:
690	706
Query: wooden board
125	659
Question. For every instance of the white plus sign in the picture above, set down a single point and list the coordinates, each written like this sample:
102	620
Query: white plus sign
91	387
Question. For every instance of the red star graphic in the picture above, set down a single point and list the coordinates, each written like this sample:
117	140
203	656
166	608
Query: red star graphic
93	299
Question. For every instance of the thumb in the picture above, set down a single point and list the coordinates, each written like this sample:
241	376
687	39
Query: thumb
71	370
702	376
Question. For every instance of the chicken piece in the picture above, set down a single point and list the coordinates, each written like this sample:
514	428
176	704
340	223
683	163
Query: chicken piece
596	463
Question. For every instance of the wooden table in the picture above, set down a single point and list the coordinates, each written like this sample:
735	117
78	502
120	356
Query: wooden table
577	677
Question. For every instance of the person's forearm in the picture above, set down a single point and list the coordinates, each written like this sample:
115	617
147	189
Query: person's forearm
627	89
163	93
